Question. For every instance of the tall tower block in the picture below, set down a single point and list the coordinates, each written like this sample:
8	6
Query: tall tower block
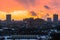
8	18
55	19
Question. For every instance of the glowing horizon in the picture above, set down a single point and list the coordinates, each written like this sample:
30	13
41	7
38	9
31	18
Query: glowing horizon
16	15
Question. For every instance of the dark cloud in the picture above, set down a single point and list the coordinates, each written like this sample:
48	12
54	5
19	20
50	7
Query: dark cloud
33	13
47	14
47	7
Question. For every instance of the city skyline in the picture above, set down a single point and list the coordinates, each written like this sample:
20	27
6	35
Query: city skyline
9	18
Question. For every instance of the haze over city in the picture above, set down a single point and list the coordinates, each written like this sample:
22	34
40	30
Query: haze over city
20	9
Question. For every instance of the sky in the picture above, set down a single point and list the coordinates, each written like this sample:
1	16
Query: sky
20	9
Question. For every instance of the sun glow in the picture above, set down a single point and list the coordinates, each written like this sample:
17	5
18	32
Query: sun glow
2	15
20	14
16	15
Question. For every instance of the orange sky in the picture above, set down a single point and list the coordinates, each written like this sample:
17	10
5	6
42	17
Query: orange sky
20	9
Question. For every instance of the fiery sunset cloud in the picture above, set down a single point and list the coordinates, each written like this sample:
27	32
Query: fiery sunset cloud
20	9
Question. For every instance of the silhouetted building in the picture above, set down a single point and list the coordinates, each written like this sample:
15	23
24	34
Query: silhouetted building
49	23
39	23
55	36
49	20
29	22
8	18
55	19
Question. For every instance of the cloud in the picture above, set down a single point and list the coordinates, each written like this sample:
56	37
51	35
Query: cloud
47	7
33	13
